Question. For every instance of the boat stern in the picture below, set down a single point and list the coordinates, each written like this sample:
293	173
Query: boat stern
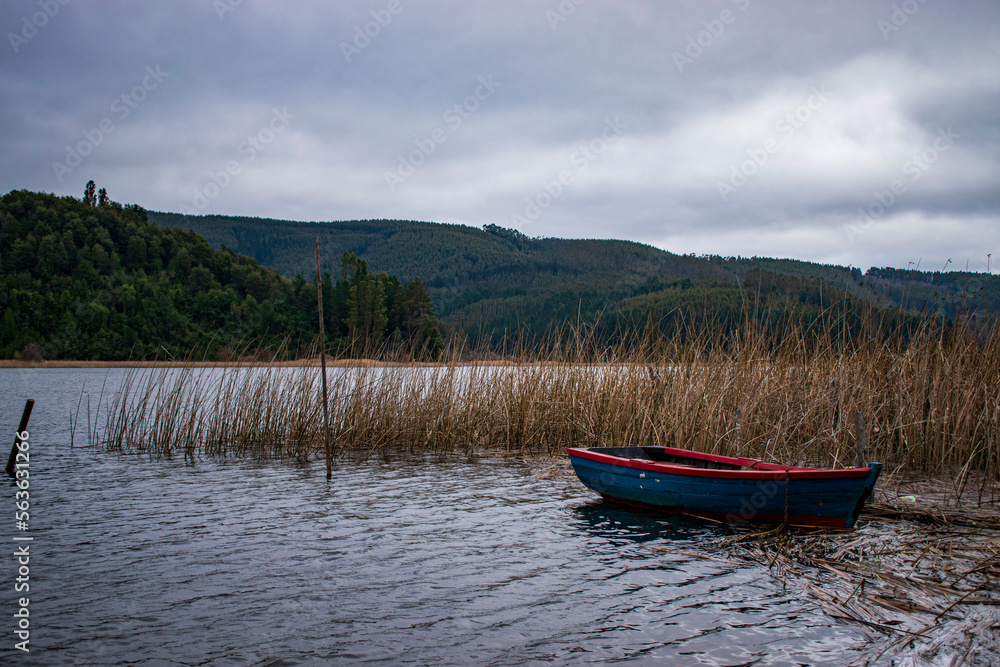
874	470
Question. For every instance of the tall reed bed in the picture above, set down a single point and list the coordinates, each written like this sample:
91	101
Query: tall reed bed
931	405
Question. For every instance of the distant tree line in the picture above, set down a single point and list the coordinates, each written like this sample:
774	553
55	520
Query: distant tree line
368	313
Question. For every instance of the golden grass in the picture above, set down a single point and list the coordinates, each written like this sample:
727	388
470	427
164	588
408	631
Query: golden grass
159	363
931	405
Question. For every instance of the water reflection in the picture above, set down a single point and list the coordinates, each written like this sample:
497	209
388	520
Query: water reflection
615	521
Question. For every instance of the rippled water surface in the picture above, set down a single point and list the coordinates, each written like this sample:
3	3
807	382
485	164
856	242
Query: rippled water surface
423	562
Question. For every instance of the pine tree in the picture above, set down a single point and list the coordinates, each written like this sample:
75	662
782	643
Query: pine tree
90	194
366	318
417	323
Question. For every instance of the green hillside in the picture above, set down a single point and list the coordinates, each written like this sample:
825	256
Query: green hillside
949	294
483	280
497	280
92	279
953	293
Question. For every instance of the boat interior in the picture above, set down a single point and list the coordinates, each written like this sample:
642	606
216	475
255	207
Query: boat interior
658	455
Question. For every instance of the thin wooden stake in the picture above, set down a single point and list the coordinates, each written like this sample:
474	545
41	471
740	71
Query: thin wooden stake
322	363
25	416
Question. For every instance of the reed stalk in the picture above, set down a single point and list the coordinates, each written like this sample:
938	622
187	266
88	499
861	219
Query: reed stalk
930	403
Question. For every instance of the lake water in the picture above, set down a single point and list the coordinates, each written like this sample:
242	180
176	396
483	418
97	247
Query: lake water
424	562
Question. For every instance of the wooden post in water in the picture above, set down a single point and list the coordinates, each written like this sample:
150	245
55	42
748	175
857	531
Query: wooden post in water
25	416
859	435
322	363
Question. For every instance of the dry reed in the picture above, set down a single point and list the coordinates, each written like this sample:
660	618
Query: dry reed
931	405
920	593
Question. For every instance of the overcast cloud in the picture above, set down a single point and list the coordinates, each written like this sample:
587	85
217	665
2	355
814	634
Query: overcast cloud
853	132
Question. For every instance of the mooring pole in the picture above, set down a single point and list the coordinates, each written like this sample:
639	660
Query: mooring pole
25	416
322	363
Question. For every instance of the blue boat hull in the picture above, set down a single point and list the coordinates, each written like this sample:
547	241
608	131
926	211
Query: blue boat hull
732	491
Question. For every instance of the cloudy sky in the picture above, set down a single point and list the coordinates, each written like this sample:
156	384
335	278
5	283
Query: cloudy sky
853	132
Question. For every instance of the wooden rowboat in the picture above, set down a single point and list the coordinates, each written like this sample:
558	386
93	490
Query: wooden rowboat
735	489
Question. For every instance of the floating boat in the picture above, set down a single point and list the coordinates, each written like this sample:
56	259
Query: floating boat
723	487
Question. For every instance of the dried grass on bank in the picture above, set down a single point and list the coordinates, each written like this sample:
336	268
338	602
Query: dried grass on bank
928	594
931	406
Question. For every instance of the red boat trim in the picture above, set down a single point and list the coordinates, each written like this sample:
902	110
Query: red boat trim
758	470
791	519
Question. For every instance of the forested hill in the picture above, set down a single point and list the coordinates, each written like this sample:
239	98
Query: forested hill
92	279
494	279
497	279
946	293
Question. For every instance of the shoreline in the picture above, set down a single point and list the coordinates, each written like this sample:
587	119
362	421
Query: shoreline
300	363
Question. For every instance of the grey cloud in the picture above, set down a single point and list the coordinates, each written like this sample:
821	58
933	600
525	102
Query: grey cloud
701	85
